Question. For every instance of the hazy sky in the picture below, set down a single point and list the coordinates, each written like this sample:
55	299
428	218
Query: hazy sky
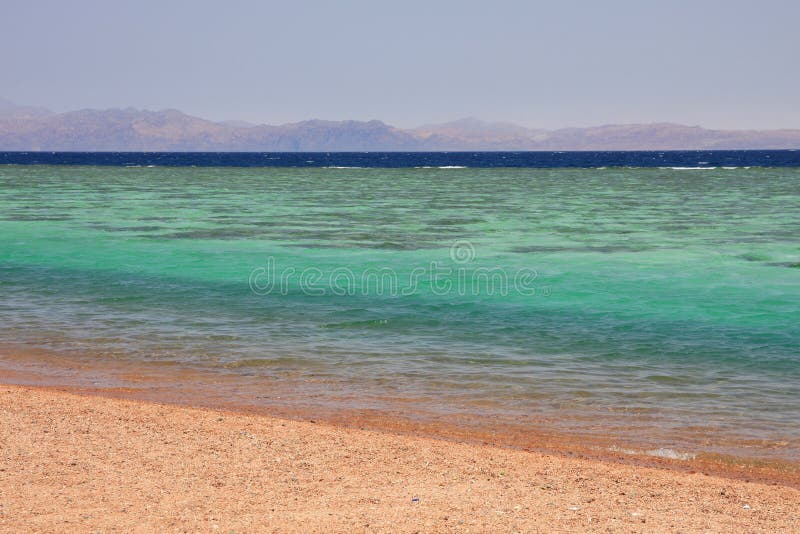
728	64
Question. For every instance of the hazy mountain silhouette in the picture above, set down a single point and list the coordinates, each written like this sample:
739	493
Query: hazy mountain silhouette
27	128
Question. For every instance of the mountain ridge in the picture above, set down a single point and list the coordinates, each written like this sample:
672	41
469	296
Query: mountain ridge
30	128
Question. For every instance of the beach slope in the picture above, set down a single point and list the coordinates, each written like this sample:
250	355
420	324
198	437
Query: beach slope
85	464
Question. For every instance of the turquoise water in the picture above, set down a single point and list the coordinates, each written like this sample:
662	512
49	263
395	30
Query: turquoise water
658	299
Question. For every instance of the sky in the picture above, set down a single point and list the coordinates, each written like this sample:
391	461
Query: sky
719	64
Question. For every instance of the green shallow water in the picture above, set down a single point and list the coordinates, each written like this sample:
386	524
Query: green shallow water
667	297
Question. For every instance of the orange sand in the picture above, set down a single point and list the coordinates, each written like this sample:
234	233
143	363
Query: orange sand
72	463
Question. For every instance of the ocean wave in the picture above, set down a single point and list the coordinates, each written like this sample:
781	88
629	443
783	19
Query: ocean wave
442	167
689	168
661	452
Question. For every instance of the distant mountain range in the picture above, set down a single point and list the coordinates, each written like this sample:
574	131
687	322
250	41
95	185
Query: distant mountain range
26	128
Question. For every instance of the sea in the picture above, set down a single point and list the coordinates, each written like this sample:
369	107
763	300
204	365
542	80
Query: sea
650	300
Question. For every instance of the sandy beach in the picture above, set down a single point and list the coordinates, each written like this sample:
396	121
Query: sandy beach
70	462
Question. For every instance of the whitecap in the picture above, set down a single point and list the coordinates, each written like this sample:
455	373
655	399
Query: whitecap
692	168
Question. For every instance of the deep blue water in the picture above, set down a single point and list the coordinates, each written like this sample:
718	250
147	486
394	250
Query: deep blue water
688	158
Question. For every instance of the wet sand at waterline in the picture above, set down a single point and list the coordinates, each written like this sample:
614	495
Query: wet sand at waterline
79	463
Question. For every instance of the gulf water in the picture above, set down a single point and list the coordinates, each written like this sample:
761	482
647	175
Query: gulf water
642	299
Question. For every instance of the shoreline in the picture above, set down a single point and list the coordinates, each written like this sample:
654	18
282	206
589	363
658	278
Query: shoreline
77	461
195	391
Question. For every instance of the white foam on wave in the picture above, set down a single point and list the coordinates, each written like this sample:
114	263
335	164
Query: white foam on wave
671	454
342	167
689	168
661	452
441	167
